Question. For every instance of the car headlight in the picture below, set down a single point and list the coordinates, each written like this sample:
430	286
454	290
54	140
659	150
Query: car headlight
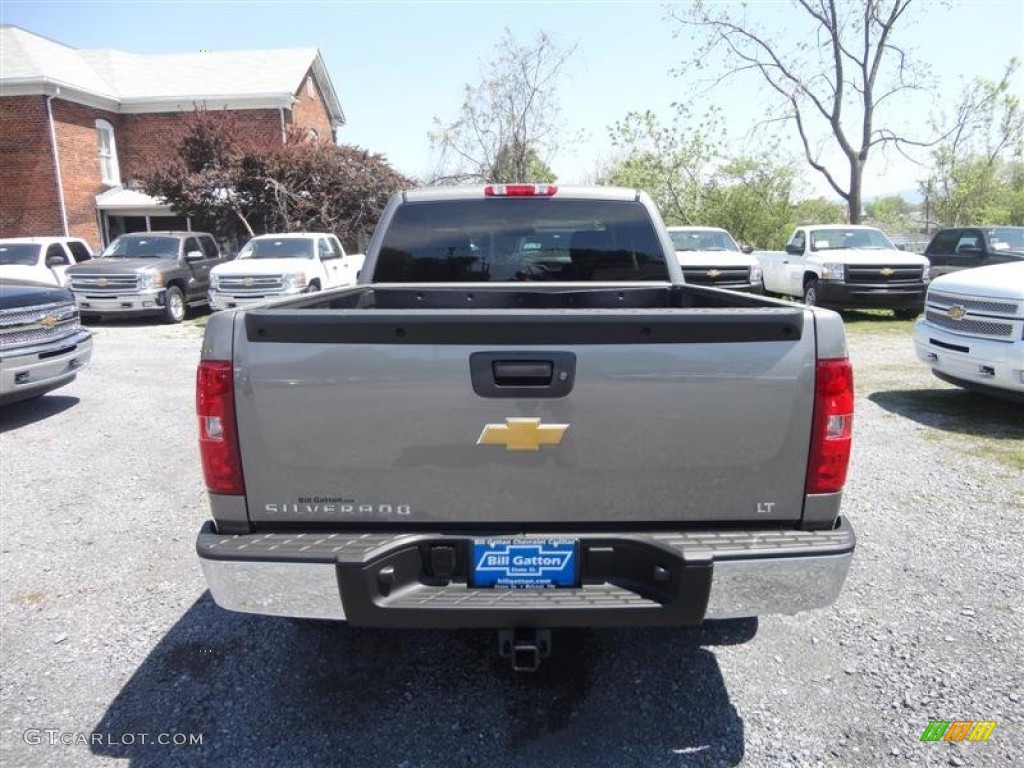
755	274
926	272
833	272
151	280
295	281
215	282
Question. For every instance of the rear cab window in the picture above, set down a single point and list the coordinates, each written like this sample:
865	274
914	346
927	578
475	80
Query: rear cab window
210	249
79	250
702	240
57	256
942	246
508	240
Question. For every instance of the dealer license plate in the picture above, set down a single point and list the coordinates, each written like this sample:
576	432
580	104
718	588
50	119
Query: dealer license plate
525	563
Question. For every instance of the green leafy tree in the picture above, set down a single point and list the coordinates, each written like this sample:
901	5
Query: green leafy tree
891	213
750	197
817	210
671	162
507	171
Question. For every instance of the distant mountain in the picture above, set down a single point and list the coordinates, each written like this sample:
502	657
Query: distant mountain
912	196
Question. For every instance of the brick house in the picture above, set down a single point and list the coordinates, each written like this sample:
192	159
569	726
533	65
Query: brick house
78	127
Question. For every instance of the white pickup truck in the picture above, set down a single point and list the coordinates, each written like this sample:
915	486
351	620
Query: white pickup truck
270	266
847	266
972	332
709	256
43	259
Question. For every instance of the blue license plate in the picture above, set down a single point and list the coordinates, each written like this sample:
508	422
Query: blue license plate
525	563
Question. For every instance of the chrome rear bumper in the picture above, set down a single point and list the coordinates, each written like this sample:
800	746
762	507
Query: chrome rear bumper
720	575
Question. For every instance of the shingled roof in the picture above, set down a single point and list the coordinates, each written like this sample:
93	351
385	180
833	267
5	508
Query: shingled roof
134	83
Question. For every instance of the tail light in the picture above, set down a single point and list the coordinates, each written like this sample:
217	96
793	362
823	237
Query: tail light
520	190
218	432
832	427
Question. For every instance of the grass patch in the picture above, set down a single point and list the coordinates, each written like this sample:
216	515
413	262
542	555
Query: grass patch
197	322
876	322
982	426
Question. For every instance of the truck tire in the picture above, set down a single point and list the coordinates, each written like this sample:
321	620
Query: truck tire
313	287
811	292
174	305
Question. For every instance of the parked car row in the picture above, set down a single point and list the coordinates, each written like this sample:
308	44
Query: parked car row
165	273
972	333
50	284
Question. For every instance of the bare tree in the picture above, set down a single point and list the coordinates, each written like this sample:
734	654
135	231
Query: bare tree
842	64
509	124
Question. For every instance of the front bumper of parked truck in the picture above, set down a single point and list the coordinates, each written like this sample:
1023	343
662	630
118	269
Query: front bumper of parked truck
36	369
420	580
151	300
839	294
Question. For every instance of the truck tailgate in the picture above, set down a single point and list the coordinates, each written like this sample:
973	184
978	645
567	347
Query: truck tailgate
685	416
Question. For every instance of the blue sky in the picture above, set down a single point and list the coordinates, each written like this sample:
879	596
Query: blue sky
397	65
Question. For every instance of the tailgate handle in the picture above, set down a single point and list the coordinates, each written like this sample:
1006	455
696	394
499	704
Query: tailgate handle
522	373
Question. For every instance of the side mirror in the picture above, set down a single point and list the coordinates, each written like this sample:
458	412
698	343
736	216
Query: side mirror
901	246
795	250
54	261
748	249
195	256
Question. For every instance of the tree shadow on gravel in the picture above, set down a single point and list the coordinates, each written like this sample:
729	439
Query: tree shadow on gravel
21	414
956	410
265	691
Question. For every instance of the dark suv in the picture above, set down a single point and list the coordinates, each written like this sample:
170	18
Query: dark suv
968	247
147	272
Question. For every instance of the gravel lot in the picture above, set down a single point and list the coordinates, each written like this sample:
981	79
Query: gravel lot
107	629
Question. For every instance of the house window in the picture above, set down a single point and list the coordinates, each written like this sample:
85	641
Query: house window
309	87
314	137
109	171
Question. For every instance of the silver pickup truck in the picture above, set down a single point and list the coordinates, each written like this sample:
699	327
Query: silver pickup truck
522	418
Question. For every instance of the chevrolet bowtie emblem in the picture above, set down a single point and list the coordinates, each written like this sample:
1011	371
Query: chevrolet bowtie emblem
48	321
956	312
522	434
713	273
248	282
887	271
101	281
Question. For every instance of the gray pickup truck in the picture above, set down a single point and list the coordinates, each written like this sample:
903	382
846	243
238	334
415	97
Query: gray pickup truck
522	418
159	273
